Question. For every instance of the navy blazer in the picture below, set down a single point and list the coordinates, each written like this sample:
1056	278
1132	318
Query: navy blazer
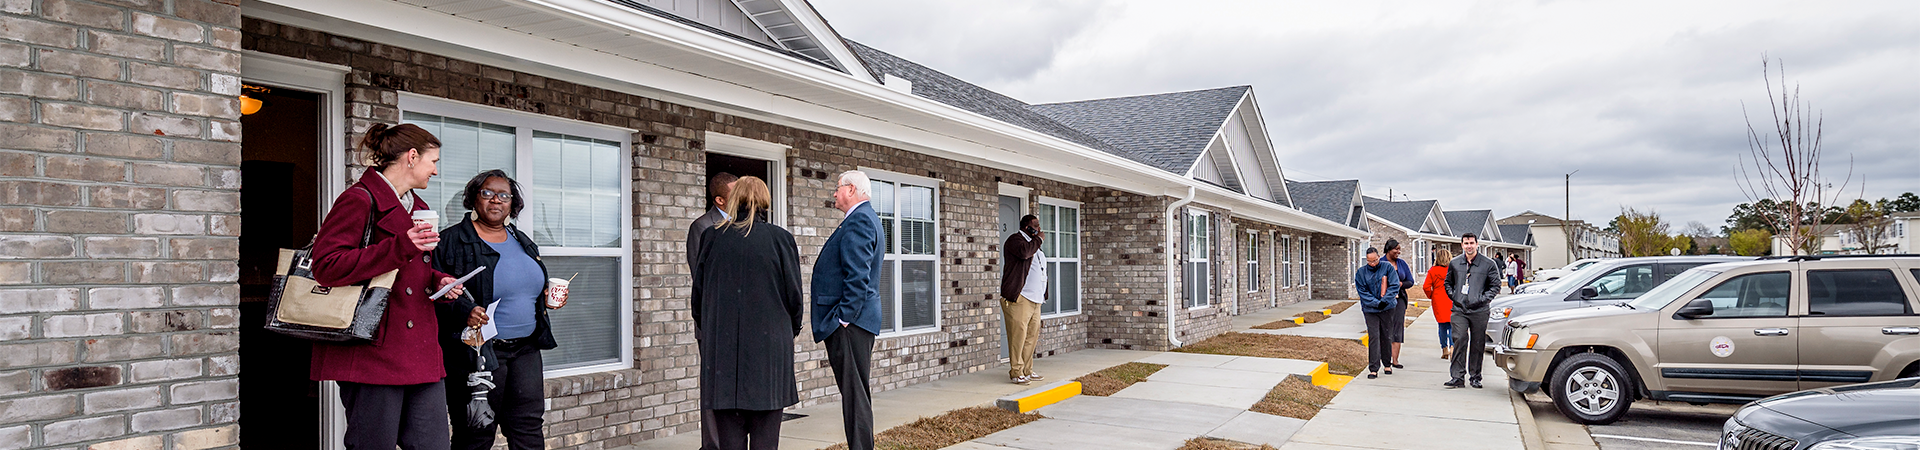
846	277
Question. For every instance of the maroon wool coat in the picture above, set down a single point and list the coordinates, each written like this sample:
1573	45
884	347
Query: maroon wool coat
407	348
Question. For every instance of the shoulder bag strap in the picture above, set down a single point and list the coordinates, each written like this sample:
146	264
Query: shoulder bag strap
366	234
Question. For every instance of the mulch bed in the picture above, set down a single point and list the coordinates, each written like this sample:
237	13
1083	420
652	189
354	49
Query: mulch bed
1313	316
1295	398
954	427
1112	379
1341	307
1207	443
1277	324
1343	356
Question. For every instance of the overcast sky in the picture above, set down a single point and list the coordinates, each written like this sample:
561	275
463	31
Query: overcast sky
1481	105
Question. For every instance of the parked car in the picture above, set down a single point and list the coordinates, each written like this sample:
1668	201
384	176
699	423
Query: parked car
1603	282
1534	287
1557	273
1725	333
1883	415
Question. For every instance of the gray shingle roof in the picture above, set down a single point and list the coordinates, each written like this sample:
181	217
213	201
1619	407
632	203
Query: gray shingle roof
1331	200
943	88
1409	214
1168	131
1515	234
642	7
1468	221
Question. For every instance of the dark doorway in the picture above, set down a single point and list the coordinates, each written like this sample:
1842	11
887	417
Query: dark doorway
740	167
280	206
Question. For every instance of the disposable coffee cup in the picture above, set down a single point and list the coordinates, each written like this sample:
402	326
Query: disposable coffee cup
432	219
556	287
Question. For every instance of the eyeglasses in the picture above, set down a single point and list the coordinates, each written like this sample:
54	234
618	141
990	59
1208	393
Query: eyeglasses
491	195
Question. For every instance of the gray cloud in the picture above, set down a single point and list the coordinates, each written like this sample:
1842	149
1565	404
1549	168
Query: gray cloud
1476	105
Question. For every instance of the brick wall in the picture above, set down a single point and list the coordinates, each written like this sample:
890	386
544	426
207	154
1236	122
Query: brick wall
1274	241
1126	269
1332	267
119	180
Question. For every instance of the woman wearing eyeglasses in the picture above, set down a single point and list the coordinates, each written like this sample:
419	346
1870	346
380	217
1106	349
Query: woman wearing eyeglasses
517	280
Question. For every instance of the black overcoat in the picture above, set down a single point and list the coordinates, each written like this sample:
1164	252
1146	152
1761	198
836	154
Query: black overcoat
747	310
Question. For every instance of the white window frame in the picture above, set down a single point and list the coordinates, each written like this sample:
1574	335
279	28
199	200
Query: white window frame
1253	261
1079	266
525	124
939	298
1200	255
1306	270
727	144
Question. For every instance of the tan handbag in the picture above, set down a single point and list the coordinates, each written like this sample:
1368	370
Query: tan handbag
303	308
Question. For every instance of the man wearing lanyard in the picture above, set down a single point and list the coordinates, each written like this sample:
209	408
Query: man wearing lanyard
1476	279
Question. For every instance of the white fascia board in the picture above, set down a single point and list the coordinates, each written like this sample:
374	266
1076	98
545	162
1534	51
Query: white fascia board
416	28
829	39
1435	237
1389	223
1272	213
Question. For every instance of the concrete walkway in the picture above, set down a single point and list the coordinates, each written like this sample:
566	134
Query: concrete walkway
1346	325
1410	409
822	426
1195	395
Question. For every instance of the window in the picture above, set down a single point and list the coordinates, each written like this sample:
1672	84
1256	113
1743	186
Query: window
1624	283
1306	270
1253	262
1199	270
1286	254
1860	292
909	300
1060	223
1751	295
576	189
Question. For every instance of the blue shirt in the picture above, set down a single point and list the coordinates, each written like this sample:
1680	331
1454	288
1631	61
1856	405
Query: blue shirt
517	285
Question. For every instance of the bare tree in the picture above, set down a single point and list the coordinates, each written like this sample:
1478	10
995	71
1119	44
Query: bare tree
1870	226
1784	166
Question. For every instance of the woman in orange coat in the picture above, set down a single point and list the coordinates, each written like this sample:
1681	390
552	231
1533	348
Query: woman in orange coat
1436	288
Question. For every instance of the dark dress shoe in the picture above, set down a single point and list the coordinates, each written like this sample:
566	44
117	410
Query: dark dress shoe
1453	384
1397	366
1476	385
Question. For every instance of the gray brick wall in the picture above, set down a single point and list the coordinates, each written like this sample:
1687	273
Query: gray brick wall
119	156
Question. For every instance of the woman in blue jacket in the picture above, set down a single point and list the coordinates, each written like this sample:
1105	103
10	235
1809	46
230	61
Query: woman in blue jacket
1379	289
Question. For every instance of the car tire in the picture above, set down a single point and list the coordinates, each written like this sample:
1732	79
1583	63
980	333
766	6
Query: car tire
1591	389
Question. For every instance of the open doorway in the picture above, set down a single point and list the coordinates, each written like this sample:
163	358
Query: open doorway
280	197
740	167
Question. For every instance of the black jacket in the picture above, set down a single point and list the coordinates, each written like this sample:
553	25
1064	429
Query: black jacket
461	250
1482	278
747	309
699	230
1019	250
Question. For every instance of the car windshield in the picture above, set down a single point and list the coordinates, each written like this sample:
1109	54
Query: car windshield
1660	296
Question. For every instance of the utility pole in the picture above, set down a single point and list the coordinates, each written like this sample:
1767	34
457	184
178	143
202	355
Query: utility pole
1567	220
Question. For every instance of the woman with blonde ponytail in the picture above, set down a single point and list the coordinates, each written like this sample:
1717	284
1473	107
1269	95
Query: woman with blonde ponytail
746	312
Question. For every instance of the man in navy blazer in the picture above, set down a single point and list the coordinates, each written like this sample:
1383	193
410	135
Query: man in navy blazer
846	303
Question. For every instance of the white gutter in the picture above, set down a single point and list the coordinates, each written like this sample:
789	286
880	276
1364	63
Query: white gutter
1173	337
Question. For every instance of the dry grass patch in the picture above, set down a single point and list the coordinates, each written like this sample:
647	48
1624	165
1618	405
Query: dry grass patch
1112	379
1295	398
1277	324
954	427
1343	356
1313	316
1207	443
1341	307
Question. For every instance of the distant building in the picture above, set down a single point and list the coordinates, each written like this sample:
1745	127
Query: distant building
1558	242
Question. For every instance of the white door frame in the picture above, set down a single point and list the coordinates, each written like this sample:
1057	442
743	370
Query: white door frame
757	149
330	81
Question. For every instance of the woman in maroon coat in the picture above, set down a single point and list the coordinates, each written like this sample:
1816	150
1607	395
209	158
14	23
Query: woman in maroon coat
392	387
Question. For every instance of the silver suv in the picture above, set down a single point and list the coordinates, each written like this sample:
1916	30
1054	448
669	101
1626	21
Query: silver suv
1605	282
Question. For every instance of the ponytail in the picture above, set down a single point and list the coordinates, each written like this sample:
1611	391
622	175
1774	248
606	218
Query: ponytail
385	144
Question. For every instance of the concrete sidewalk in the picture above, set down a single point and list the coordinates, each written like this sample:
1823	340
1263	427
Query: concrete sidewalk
822	426
1410	409
1345	325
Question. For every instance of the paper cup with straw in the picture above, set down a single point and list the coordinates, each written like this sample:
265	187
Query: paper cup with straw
556	289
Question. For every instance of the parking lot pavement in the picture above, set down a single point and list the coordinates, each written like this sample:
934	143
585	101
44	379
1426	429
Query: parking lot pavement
1664	425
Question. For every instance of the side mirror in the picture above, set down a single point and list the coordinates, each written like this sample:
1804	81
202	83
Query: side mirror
1588	293
1695	309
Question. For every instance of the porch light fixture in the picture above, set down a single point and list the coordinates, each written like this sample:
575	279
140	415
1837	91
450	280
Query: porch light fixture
250	105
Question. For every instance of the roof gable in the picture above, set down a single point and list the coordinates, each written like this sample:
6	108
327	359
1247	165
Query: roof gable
1516	234
1338	201
792	27
1419	215
1477	221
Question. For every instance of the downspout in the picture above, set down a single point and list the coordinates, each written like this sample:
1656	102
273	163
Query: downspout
1173	337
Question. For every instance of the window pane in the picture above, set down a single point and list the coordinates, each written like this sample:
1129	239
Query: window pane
917	305
886	232
1203	287
886	295
1624	283
571	202
466	149
916	237
916	202
1052	305
589	328
1869	292
882	198
1070	220
1069	282
1069	245
1752	295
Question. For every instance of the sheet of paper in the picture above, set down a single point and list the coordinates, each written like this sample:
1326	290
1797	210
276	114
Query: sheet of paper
449	287
487	332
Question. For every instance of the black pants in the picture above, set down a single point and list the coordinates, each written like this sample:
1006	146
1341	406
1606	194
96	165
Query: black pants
1397	329
380	416
518	397
850	352
1379	343
740	429
1469	345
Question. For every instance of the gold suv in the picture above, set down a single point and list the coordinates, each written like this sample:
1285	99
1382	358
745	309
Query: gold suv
1725	333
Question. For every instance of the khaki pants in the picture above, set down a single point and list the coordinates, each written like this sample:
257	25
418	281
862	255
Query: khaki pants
1022	317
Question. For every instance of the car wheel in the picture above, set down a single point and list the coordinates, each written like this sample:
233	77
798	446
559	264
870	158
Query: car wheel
1592	389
